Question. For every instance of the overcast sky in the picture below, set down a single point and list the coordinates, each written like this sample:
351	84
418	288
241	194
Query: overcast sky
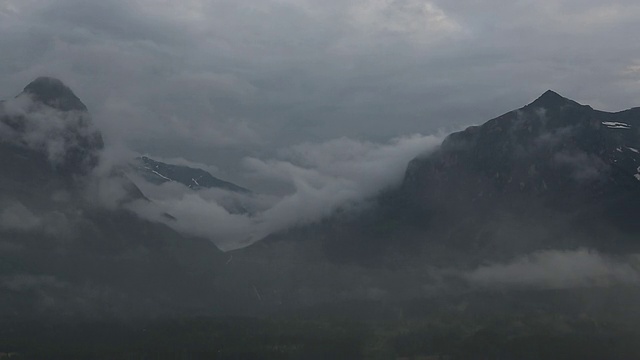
210	80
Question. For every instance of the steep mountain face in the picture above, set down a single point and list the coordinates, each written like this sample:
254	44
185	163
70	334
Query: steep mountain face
553	178
48	118
555	150
554	174
554	157
158	173
67	247
54	93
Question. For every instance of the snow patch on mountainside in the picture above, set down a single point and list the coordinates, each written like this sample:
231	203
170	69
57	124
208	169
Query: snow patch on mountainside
616	125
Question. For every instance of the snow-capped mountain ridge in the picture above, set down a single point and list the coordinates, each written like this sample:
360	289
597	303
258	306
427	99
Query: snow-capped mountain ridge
159	172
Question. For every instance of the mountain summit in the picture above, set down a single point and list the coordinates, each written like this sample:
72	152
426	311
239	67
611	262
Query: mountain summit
551	98
498	184
54	93
552	174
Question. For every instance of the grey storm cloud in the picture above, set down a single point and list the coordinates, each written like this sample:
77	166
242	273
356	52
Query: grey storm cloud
15	216
307	93
257	74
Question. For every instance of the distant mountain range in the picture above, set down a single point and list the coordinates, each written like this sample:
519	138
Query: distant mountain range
554	174
158	173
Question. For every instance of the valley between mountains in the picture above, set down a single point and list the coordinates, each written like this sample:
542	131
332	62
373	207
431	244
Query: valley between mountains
526	225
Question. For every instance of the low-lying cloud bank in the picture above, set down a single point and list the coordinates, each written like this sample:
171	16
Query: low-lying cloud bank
559	269
336	174
16	217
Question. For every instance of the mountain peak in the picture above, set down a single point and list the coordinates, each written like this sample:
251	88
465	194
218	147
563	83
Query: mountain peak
54	93
551	98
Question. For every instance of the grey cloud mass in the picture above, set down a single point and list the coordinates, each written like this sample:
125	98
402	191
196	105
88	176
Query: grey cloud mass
340	173
199	76
15	216
298	99
557	269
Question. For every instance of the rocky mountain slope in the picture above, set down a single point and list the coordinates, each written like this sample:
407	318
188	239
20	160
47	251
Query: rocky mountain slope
67	247
514	239
158	172
554	174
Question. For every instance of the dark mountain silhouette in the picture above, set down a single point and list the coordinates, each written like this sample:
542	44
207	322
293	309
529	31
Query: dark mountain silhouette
54	93
554	174
553	157
56	123
66	250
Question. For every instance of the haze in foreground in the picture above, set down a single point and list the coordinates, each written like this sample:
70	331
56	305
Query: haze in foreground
305	179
